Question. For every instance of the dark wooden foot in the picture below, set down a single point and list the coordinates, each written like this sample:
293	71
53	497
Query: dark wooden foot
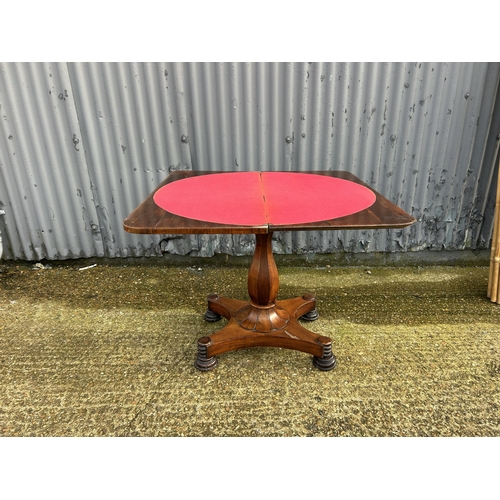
313	314
204	362
327	361
252	326
310	316
211	317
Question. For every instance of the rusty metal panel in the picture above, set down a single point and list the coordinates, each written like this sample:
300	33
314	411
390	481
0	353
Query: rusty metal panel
44	183
83	143
134	122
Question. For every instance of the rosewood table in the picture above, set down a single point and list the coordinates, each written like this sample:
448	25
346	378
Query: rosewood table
195	202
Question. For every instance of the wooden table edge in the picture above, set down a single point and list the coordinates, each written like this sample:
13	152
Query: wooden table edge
188	226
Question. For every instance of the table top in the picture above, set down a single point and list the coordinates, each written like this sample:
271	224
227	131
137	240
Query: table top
200	202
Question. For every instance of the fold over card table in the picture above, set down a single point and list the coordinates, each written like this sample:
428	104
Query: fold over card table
259	203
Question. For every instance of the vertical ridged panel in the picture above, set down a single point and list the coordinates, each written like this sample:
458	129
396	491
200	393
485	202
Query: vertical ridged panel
133	115
44	184
76	161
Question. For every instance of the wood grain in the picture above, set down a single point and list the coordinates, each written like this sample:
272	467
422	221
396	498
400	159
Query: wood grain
148	218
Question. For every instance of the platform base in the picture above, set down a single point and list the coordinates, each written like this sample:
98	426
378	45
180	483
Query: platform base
250	325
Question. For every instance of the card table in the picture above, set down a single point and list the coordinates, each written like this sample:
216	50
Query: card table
260	203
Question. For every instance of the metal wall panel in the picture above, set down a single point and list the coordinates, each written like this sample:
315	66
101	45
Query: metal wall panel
83	143
44	183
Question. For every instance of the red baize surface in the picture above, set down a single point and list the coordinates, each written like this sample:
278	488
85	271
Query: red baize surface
260	198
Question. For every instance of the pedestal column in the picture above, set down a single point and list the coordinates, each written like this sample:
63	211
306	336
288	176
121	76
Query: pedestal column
262	314
263	321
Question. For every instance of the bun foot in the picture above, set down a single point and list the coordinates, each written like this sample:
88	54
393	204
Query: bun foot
211	317
204	363
328	361
310	316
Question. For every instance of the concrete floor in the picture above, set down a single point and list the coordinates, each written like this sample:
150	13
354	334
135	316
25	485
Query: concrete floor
109	351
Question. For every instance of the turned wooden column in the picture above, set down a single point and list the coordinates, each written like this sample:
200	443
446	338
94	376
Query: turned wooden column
262	314
263	279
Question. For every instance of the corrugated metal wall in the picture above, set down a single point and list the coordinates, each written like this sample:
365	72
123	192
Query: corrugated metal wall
81	144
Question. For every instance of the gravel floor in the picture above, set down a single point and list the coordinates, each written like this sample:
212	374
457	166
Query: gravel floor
109	351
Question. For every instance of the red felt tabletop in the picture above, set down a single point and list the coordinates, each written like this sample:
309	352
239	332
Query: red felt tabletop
259	198
228	198
295	198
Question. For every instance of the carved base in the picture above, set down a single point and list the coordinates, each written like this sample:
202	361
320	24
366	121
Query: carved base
257	326
262	319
